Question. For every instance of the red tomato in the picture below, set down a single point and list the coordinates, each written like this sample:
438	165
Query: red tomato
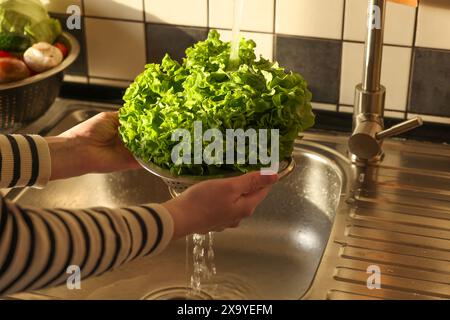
5	54
62	48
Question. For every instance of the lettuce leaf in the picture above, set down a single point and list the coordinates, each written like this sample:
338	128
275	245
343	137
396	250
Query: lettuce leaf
257	94
28	18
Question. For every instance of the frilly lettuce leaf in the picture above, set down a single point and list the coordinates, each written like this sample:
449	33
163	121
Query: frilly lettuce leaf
258	94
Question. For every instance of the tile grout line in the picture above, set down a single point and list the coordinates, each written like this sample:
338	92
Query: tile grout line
274	34
86	46
167	25
384	44
112	79
207	15
342	56
147	44
411	65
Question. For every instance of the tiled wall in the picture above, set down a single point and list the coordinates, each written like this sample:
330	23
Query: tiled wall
322	39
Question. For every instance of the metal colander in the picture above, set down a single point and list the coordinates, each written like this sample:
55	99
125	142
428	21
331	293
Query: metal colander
22	102
177	184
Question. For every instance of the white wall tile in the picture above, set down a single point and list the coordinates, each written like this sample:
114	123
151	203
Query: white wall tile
323	106
426	118
352	70
355	20
346	109
399	22
116	49
122	9
264	42
258	15
311	18
394	114
433	26
75	79
394	74
180	12
60	6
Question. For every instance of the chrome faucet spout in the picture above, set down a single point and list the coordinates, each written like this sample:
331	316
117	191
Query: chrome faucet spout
368	125
373	53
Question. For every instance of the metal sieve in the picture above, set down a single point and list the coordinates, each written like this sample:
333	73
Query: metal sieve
177	184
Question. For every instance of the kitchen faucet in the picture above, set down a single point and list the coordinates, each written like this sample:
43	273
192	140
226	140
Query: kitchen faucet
368	128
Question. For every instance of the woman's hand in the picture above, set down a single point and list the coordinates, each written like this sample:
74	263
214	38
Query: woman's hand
218	204
91	146
94	146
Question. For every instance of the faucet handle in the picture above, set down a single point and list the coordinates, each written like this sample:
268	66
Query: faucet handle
366	140
400	128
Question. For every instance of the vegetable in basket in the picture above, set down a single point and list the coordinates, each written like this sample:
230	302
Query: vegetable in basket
27	33
25	22
258	94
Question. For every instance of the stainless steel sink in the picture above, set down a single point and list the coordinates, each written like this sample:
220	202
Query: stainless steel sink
272	255
315	237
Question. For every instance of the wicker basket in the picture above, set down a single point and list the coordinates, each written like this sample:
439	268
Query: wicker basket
177	184
22	102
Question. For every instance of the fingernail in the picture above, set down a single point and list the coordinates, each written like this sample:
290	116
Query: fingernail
269	179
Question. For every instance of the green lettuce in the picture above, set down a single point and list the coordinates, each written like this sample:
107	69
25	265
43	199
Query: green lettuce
27	19
257	94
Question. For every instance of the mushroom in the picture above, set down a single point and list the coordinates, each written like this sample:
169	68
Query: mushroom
42	56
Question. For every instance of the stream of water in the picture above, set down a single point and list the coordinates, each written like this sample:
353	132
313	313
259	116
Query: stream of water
204	267
237	19
203	263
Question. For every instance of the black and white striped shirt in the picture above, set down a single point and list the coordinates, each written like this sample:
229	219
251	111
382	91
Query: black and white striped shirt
37	245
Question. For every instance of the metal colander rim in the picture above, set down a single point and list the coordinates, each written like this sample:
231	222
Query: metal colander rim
287	166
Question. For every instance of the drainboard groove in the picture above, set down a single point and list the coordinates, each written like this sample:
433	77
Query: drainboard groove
418	274
359	230
412	245
388	282
399	252
383	293
390	259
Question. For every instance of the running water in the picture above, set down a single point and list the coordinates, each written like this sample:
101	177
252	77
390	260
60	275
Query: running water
204	267
235	38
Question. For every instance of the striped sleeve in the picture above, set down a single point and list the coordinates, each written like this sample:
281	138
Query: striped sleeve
37	246
24	161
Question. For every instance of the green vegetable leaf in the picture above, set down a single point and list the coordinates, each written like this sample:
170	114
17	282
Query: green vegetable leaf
27	18
255	94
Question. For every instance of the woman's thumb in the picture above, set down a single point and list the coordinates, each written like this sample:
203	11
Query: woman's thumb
254	181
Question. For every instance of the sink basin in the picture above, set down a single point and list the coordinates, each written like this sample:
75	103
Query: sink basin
272	255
